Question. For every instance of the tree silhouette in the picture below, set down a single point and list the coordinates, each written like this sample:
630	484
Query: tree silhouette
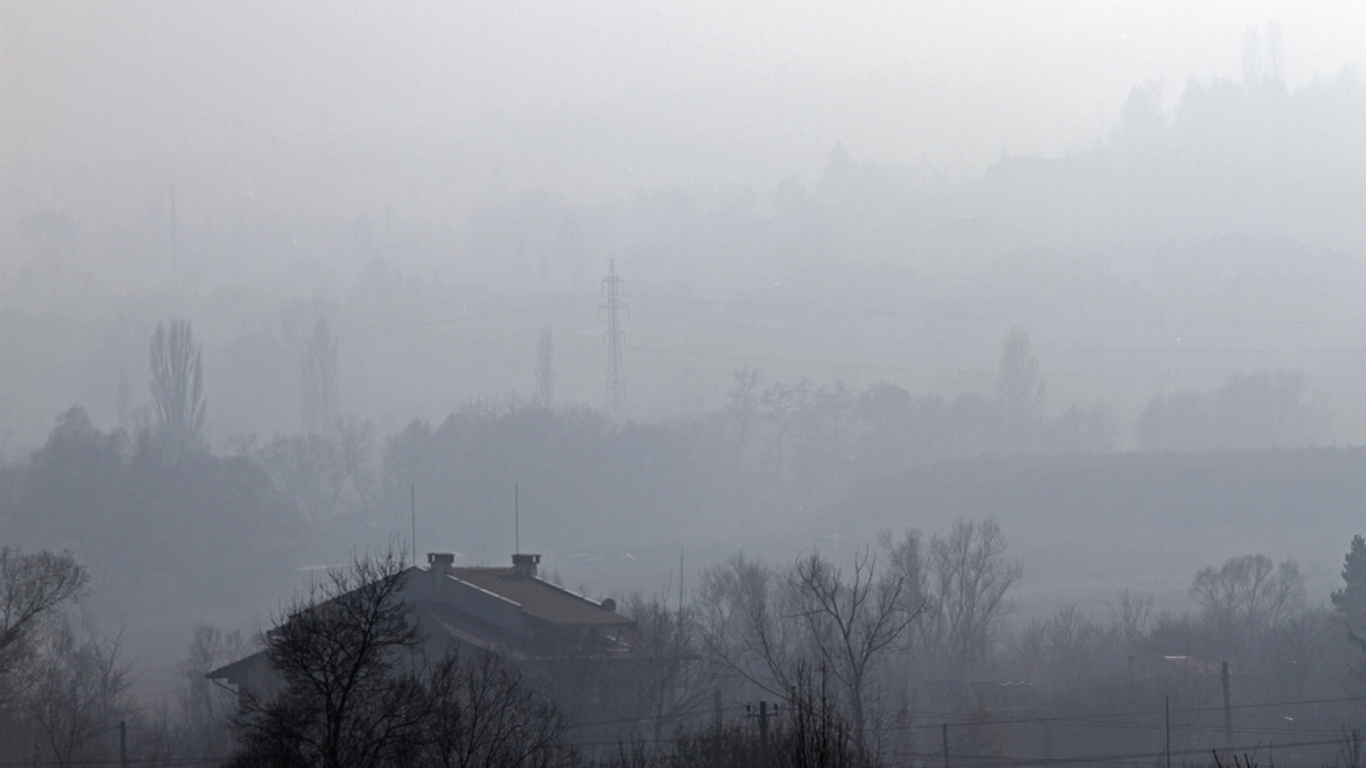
319	363
1019	389
355	688
1350	601
970	577
545	367
341	656
853	620
33	588
177	382
1247	593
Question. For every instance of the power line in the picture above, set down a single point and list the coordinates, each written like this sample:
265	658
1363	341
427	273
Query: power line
1110	279
923	343
944	371
459	319
463	318
1107	719
984	761
978	761
1043	319
1098	719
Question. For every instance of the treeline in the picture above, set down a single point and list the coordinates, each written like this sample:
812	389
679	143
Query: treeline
894	657
1215	210
152	523
1248	411
159	517
914	635
64	687
164	524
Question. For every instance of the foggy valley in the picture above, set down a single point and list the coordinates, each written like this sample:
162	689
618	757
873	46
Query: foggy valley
677	384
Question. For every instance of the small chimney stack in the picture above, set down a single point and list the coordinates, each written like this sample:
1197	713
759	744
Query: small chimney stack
439	563
524	566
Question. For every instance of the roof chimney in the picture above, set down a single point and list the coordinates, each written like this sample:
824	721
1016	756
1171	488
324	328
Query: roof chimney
525	565
439	563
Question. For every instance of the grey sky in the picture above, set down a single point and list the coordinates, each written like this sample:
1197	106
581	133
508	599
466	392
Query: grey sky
714	92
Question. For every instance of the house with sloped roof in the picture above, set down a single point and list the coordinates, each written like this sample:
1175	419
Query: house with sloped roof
579	652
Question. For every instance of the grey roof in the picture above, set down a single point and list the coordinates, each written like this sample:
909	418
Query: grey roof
540	599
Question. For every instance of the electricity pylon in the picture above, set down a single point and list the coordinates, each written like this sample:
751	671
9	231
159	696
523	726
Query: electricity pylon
615	341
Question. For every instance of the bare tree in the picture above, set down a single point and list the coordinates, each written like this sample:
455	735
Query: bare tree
342	654
545	367
1249	593
33	589
669	681
812	730
744	397
177	383
816	732
1019	390
356	689
970	576
320	380
767	627
354	437
852	621
79	696
906	556
747	628
1130	617
481	715
206	709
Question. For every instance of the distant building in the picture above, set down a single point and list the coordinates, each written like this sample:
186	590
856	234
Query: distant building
580	653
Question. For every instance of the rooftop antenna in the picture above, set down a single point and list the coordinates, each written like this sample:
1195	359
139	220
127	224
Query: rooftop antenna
516	519
680	585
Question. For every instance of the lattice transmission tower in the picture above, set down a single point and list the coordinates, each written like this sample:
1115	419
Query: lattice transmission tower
615	340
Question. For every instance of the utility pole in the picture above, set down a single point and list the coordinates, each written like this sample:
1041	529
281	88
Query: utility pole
1228	709
412	501
763	729
1167	718
615	339
945	732
123	744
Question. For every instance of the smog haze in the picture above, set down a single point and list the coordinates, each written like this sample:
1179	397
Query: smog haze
676	295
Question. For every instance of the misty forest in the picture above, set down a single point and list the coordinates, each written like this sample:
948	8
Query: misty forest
654	385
